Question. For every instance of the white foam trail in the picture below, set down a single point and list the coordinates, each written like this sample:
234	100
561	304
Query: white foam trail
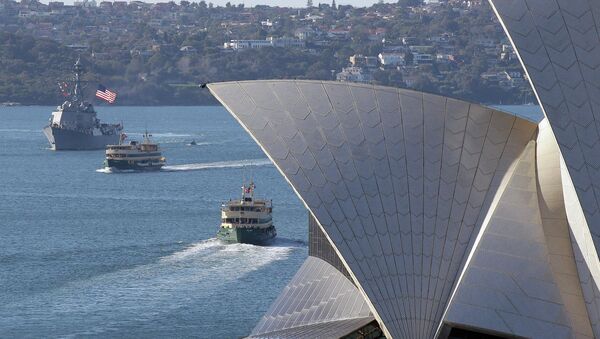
194	250
104	170
217	165
205	143
145	292
112	170
200	166
164	135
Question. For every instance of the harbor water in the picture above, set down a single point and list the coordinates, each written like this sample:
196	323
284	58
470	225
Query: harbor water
89	254
85	253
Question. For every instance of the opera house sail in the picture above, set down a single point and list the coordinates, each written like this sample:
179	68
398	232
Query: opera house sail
429	216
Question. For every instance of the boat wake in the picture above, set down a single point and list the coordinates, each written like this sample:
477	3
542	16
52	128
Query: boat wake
200	248
217	165
172	138
163	135
200	166
112	170
212	246
203	143
192	276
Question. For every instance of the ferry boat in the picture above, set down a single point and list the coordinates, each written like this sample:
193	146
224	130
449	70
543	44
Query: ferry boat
144	156
247	220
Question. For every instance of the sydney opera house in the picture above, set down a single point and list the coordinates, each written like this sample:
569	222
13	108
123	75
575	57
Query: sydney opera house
431	217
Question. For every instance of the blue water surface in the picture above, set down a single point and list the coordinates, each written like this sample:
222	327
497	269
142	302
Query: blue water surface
90	254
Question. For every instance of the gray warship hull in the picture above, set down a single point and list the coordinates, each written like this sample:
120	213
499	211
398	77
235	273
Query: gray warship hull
64	139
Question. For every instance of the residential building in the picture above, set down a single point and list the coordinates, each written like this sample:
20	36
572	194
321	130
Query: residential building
359	60
391	59
354	74
269	42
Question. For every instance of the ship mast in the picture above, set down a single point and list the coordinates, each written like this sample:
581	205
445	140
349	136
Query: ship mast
78	69
248	191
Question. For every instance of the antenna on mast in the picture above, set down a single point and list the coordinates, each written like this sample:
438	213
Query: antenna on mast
243	183
251	174
78	69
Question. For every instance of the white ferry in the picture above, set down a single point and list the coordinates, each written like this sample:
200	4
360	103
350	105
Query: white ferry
144	156
247	220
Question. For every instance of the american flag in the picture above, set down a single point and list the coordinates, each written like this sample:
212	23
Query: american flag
106	94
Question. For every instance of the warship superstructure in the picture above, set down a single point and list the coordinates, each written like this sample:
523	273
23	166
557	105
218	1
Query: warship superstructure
247	220
74	125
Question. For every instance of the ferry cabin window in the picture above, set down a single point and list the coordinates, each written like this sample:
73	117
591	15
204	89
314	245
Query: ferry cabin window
246	208
243	220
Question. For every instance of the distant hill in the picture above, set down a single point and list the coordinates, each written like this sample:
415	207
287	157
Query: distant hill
32	68
154	53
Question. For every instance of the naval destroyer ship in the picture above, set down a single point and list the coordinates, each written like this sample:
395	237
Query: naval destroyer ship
247	220
74	125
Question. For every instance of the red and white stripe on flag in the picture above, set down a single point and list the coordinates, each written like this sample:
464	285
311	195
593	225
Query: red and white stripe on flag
106	94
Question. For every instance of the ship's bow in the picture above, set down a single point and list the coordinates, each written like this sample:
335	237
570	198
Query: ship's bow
50	136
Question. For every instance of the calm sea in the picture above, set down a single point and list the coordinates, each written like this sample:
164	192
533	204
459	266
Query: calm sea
90	254
85	253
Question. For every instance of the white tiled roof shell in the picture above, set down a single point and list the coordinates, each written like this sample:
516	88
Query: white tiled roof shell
521	278
399	180
319	302
558	42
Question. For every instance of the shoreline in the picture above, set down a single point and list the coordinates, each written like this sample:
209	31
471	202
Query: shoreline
213	105
104	106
